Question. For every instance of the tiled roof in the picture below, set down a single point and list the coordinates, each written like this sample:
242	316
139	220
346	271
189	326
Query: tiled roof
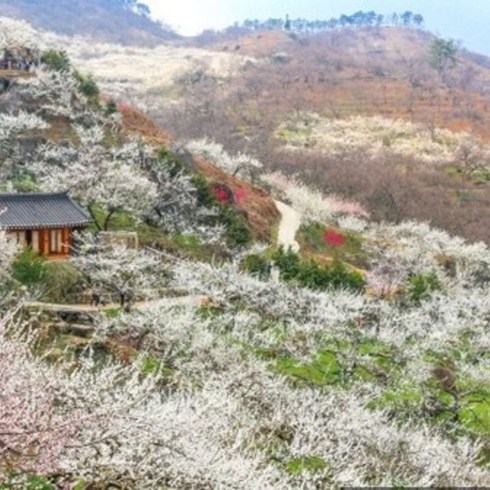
36	211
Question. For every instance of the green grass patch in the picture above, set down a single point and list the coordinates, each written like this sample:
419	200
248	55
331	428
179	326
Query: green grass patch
192	246
27	483
475	413
153	366
294	135
306	464
112	312
453	170
209	312
323	370
380	353
315	276
403	401
312	238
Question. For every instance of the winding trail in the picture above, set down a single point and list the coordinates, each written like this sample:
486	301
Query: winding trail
289	226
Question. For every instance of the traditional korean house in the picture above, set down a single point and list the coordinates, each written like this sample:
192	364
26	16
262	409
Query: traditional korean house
44	222
23	59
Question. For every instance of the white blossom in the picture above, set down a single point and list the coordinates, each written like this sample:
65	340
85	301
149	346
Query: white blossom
241	164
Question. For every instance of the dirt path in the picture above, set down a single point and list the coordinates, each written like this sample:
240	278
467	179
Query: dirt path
84	308
289	226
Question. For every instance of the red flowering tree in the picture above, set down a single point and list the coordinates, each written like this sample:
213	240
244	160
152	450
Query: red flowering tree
240	195
223	194
333	238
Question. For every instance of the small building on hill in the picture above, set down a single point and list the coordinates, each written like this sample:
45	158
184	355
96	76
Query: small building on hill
21	59
44	222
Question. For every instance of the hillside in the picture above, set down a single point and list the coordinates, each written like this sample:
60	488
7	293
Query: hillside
381	71
258	92
124	22
212	355
409	142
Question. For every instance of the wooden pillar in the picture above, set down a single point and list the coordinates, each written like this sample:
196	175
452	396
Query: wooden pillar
65	237
46	242
40	241
37	241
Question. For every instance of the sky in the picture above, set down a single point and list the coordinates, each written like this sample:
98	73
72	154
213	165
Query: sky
464	20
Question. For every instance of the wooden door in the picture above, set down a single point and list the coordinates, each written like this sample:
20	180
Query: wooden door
66	241
37	243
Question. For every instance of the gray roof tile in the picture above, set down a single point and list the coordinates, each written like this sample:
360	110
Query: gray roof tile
31	211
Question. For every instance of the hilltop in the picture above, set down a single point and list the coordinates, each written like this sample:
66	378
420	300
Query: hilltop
124	22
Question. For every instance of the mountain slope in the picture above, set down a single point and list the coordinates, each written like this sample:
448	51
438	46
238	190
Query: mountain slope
285	374
267	92
116	21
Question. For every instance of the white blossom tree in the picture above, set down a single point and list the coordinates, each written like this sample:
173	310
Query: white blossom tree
241	164
8	252
95	175
17	36
177	208
126	271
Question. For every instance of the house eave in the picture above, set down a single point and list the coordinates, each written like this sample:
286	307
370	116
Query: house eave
72	226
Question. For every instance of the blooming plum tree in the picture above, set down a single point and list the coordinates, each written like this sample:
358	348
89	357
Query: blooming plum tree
17	36
125	271
241	164
97	175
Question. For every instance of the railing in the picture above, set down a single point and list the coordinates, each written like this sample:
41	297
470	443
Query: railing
17	65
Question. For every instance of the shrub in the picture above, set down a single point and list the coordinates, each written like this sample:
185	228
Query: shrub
111	108
205	196
288	263
171	161
24	183
88	86
256	265
421	287
56	60
314	276
60	279
29	268
238	233
341	277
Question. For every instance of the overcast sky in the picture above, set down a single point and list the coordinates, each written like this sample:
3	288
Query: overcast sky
465	20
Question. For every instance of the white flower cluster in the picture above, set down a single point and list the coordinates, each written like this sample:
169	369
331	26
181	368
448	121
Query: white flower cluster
225	413
376	136
11	124
8	251
17	35
310	203
94	174
241	164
